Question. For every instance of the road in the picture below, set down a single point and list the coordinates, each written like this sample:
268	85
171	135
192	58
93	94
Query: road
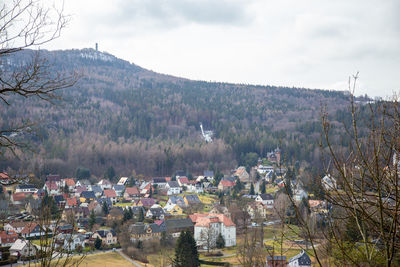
128	259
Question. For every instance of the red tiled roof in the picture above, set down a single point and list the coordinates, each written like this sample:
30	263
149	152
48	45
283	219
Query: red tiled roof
51	185
4	176
132	190
205	219
18	196
29	228
72	201
69	182
8	236
110	193
226	183
183	180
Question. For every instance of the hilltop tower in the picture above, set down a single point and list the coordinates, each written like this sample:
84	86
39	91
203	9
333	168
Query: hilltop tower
97	47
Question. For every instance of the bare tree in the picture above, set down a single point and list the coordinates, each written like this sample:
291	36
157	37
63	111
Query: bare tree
27	24
361	188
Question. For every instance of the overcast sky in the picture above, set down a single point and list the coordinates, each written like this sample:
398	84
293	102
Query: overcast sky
302	43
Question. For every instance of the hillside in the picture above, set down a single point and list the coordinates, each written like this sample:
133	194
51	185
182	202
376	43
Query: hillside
121	115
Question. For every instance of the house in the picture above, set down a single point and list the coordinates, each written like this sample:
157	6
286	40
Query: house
96	207
54	178
4	178
97	190
105	184
146	202
329	183
173	188
318	206
175	226
191	200
59	200
173	209
300	260
15	226
276	261
70	242
80	189
18	198
257	209
299	193
87	196
70	183
110	193
266	199
119	189
131	192
183	181
141	231
136	211
26	188
195	187
123	181
65	229
76	213
32	229
71	202
208	174
83	182
145	188
207	227
225	185
52	188
7	238
261	169
22	248
160	182
242	174
115	214
178	200
157	213
107	236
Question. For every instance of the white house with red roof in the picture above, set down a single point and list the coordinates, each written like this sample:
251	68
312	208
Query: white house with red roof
207	227
51	188
183	181
69	182
110	193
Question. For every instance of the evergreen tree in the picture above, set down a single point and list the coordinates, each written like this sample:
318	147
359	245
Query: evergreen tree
141	216
252	189
105	208
110	173
220	241
92	220
97	243
186	254
151	191
263	187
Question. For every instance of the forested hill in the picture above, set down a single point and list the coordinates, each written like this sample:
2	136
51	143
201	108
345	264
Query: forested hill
121	115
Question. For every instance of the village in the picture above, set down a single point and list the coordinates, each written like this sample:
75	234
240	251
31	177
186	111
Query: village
217	209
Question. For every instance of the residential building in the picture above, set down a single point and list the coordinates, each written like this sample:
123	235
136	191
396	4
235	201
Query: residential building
123	180
110	193
119	189
191	200
15	226
105	184
175	226
276	261
173	188
266	199
329	183
70	183
225	185
207	227
26	188
8	238
157	213
131	192
300	260
32	229
141	231
22	248
160	182
242	174
107	236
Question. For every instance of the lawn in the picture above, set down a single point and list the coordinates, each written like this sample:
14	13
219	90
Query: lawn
110	259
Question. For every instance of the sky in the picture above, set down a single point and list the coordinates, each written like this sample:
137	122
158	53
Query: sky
300	43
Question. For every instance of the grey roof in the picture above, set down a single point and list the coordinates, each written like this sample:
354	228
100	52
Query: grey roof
277	258
97	189
266	197
208	173
192	199
119	187
302	257
157	212
106	199
159	180
173	184
103	233
140	228
177	200
25	186
178	224
88	194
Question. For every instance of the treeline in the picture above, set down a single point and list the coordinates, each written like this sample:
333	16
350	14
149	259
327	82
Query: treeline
133	119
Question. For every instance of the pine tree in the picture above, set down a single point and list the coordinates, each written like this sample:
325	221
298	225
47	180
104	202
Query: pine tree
97	243
92	220
252	189
263	187
220	241
105	208
141	216
186	254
